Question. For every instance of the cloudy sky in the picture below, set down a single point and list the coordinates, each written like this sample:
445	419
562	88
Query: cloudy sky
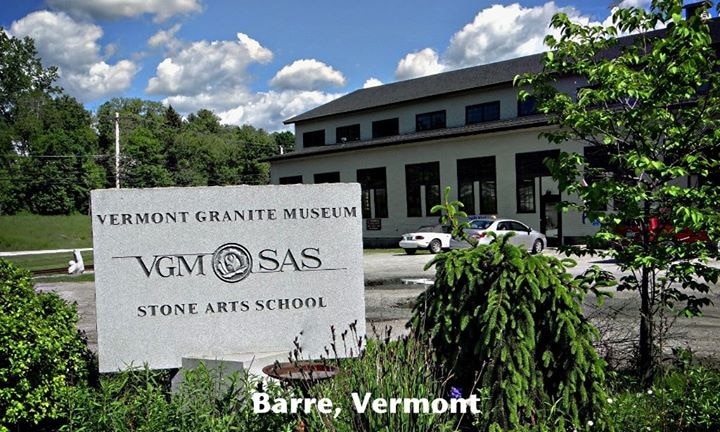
260	62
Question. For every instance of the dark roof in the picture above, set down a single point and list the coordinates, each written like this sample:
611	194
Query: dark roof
428	86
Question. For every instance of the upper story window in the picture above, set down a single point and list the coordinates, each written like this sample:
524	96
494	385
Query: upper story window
291	180
347	133
387	127
483	112
314	138
431	120
327	177
527	107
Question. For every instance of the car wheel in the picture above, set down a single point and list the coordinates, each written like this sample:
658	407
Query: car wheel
537	246
435	246
410	251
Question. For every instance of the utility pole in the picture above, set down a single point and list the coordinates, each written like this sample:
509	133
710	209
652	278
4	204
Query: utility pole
117	150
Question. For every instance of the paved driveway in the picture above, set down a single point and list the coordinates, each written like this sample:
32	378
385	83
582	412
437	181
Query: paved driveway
388	302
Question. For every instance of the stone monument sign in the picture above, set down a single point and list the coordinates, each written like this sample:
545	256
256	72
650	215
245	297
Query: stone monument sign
210	272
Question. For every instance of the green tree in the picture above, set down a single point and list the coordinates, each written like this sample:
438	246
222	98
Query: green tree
651	108
285	140
52	166
143	161
24	83
21	73
133	113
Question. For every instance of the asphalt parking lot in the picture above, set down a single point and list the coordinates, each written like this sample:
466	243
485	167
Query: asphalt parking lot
388	302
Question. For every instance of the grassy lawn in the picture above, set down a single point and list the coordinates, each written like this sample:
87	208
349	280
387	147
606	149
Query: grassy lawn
32	232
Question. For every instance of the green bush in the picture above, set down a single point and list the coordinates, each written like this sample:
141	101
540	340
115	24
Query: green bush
41	352
512	324
400	368
207	400
684	399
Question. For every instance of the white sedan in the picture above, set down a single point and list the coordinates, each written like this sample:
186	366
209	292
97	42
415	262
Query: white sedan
533	241
434	238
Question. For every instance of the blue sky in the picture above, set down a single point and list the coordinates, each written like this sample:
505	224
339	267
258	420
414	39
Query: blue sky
260	62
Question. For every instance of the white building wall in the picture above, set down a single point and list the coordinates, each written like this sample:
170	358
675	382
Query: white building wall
503	146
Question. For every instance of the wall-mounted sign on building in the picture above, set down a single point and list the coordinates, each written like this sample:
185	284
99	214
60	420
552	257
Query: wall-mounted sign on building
215	271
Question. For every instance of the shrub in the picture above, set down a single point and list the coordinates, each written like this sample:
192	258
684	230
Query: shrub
683	399
207	400
41	352
512	323
385	368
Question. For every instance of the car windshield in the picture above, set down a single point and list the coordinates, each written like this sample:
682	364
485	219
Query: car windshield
481	223
428	228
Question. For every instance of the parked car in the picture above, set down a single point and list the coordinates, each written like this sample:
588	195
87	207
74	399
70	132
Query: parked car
661	231
524	236
434	238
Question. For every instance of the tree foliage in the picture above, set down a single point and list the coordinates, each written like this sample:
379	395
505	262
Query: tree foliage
651	109
53	152
21	74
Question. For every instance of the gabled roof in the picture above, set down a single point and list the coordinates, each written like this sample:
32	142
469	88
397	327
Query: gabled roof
425	87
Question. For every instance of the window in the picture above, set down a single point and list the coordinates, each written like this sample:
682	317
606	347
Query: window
483	112
328	177
526	195
373	183
347	133
429	121
477	184
422	187
528	166
291	180
383	128
314	138
527	107
517	226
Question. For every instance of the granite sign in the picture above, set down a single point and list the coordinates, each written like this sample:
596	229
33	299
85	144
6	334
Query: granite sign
215	271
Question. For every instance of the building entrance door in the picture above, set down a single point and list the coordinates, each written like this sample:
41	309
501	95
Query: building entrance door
550	218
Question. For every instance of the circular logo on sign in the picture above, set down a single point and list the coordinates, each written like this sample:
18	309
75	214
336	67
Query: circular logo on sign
232	262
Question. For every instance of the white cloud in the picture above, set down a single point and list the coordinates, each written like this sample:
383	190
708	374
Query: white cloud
372	82
165	38
496	33
504	32
268	110
73	47
116	9
207	67
421	63
213	75
307	74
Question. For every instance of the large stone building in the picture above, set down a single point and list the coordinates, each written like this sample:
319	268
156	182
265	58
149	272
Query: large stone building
405	142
